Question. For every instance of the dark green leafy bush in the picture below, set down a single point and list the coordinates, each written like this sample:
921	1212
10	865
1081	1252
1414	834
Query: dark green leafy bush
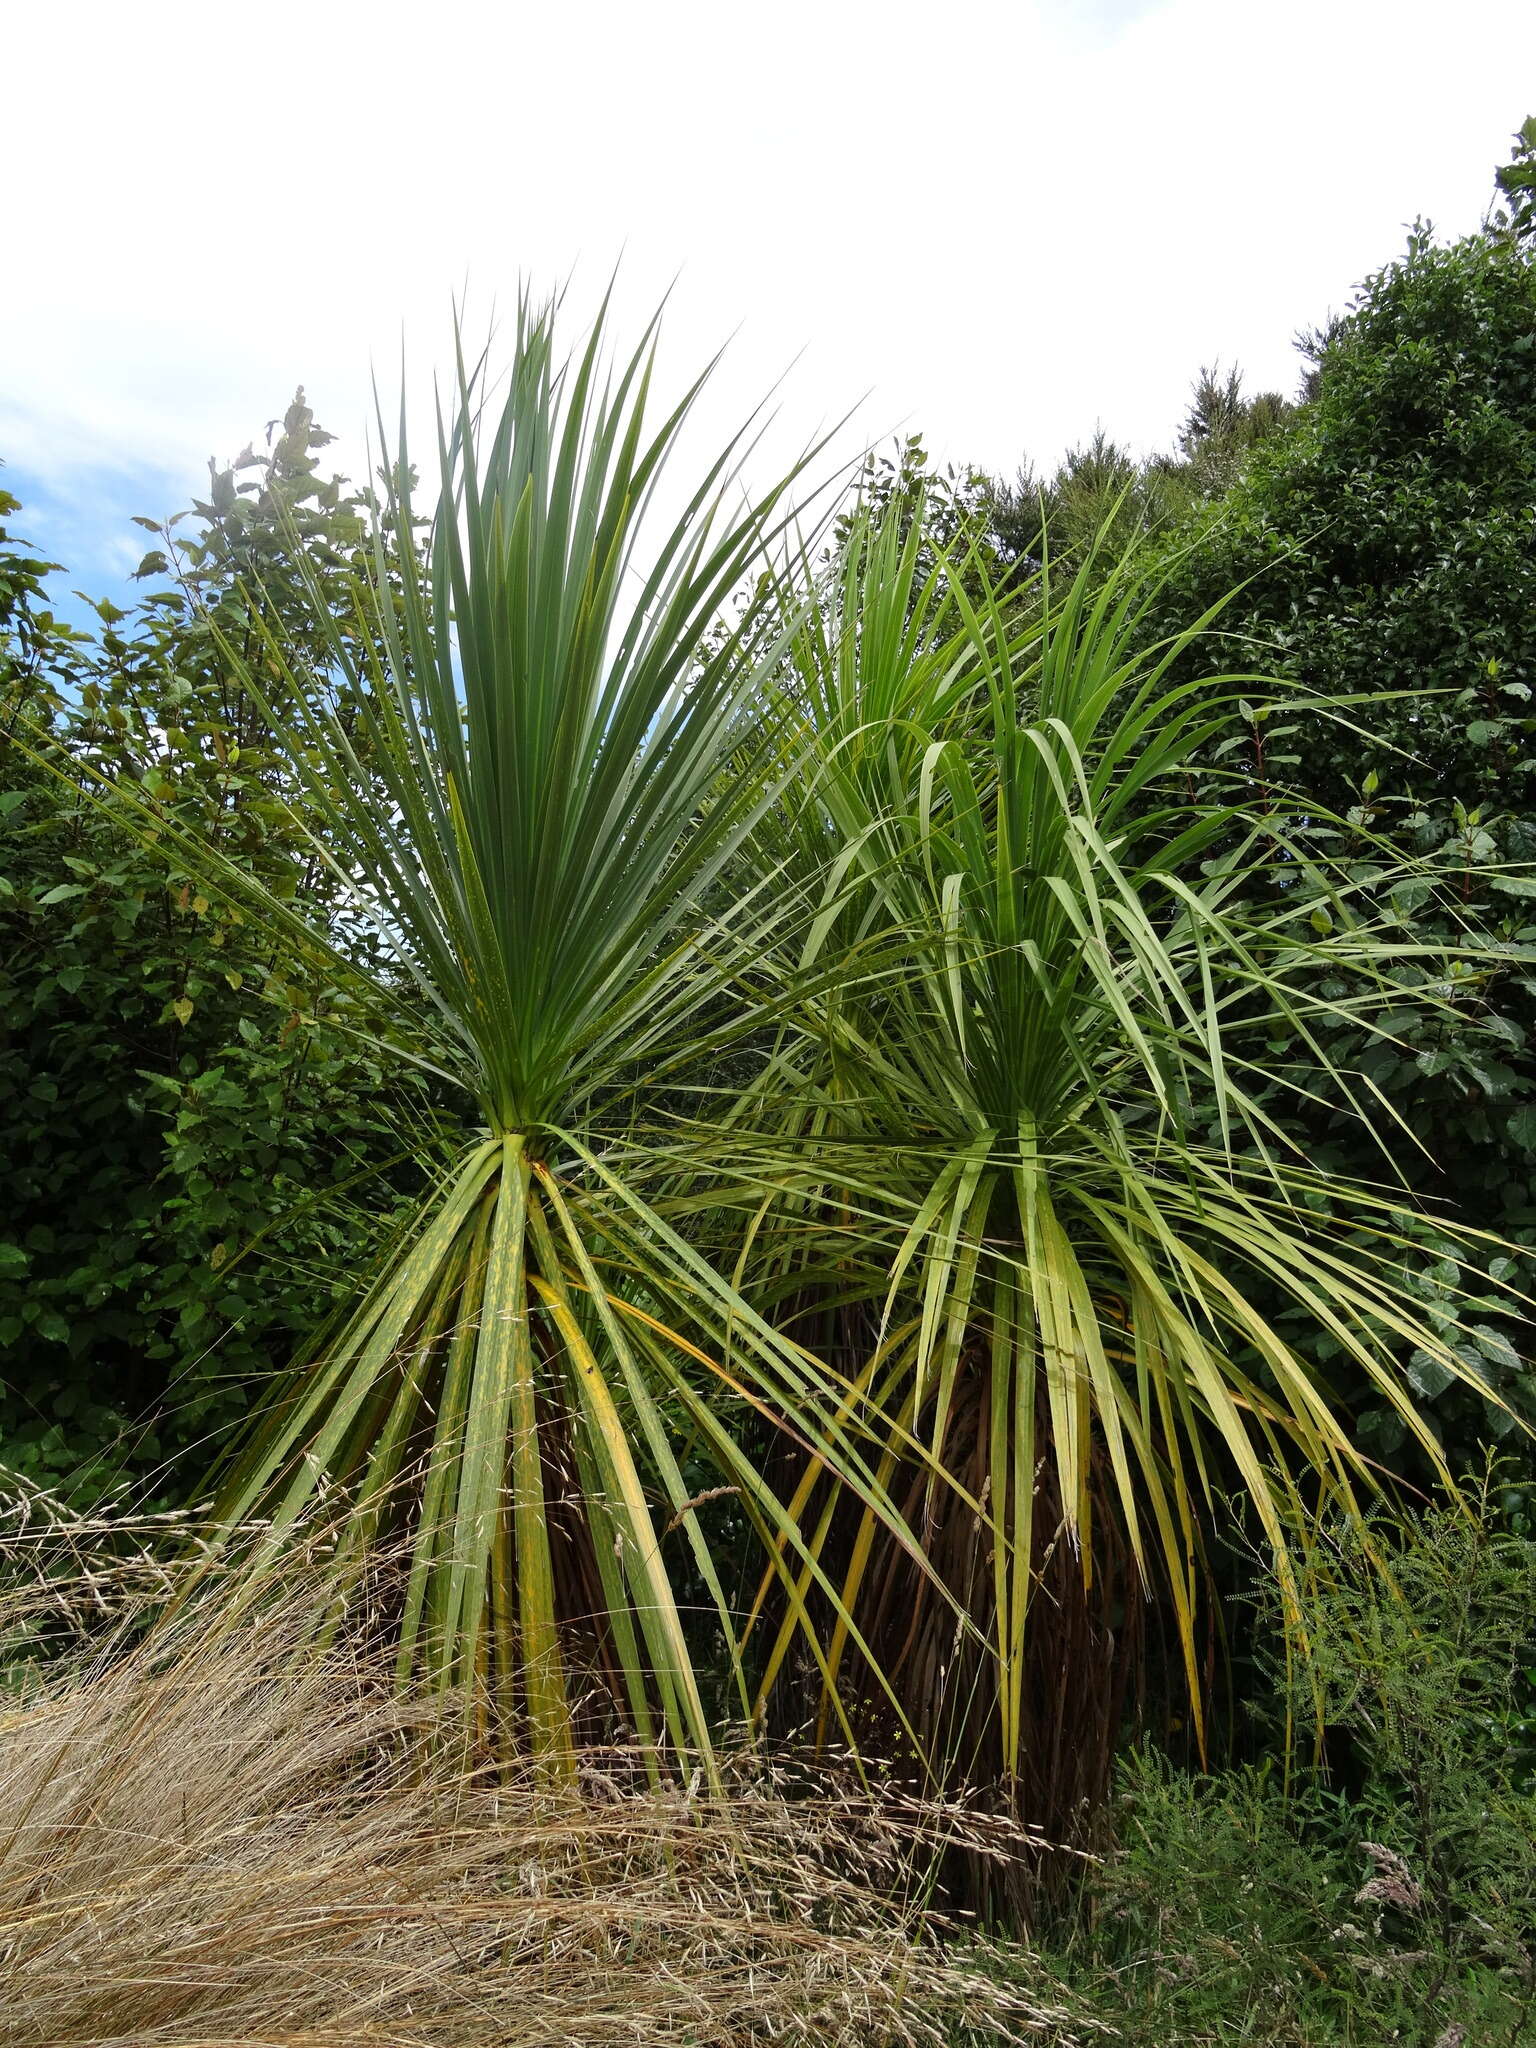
1385	541
178	1089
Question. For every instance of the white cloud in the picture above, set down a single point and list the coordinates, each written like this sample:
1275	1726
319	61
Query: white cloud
1003	221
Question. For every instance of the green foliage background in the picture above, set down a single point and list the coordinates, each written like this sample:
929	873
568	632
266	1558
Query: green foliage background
188	1108
1385	542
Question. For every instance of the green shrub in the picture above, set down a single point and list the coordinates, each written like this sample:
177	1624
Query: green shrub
1383	542
1384	1889
179	1087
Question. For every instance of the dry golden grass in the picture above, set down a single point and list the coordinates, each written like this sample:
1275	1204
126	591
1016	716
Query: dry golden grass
210	1839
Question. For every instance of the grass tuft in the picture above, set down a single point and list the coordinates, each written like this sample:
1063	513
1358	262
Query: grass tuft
209	1836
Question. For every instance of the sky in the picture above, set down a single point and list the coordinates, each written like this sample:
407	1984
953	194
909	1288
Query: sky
1002	225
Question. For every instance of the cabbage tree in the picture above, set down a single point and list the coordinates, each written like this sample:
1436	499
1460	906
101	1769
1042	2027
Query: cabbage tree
534	755
1028	1058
